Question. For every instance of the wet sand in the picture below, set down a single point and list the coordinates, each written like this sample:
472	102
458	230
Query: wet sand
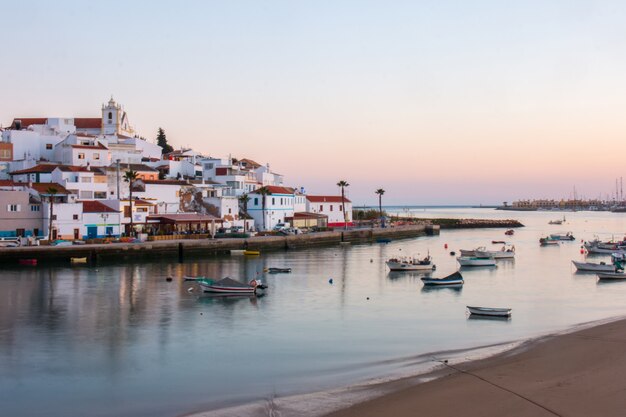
576	374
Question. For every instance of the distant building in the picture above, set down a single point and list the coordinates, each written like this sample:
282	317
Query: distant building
279	204
332	207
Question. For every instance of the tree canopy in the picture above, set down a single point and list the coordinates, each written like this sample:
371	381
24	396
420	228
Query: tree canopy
162	142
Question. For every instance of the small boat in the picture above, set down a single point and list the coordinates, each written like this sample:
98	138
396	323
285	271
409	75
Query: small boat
555	222
31	262
383	240
510	232
411	264
490	311
251	252
278	270
476	261
237	251
230	286
78	260
547	241
507	252
452	279
498	242
472	252
562	236
611	276
594	267
61	242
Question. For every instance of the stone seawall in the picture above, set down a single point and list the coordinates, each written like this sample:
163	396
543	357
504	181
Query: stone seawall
184	248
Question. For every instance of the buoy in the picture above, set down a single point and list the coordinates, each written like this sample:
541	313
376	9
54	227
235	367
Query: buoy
445	246
330	281
452	253
200	313
371	260
168	279
582	251
368	298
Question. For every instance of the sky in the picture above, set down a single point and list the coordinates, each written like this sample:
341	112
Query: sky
437	102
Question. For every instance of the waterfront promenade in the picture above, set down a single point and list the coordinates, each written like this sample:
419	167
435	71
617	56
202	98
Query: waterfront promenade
182	248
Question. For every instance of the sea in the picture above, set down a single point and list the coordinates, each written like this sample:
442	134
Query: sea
120	340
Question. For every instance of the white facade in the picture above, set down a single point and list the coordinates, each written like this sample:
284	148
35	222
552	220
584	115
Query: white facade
82	151
67	220
86	184
164	194
278	205
330	206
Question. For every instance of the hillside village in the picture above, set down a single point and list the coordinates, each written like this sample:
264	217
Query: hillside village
96	178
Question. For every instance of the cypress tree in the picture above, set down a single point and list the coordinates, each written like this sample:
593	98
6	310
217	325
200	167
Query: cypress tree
162	142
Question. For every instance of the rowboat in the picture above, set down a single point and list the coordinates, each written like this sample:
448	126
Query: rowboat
411	264
252	252
476	261
237	251
606	276
452	279
32	262
230	286
78	260
555	222
489	311
561	236
594	267
278	270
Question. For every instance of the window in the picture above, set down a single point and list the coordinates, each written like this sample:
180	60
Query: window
5	154
229	211
340	208
86	194
75	217
35	208
100	194
281	201
256	201
85	179
208	166
81	156
331	207
96	156
48	146
13	207
273	201
110	116
142	209
54	217
321	208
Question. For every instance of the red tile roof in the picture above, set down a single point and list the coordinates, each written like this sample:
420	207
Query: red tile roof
27	121
274	189
326	199
184	218
41	169
71	168
88	122
42	188
97	207
164	182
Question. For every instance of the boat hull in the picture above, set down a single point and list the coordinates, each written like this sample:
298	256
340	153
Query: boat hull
218	289
463	261
402	266
496	254
593	267
487	311
610	276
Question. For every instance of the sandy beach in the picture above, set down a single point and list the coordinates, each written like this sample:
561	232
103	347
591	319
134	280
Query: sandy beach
576	374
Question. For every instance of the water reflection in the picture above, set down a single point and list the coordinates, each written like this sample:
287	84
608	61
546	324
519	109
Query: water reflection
455	289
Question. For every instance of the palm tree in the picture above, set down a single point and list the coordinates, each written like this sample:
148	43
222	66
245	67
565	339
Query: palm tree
264	192
243	200
380	193
343	184
51	191
130	176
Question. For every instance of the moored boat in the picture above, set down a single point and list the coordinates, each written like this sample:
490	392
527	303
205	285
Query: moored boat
547	241
278	270
78	260
472	252
453	279
611	276
490	311
230	286
383	240
251	252
510	232
562	236
411	264
507	252
595	267
476	261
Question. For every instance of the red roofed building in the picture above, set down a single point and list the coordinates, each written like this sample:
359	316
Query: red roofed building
100	220
331	206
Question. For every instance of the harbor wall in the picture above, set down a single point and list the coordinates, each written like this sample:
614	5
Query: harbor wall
195	248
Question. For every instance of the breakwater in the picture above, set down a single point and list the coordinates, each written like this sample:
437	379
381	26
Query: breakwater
466	223
184	248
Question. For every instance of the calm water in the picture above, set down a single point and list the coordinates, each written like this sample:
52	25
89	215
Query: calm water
121	341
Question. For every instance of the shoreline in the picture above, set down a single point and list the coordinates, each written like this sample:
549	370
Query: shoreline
429	389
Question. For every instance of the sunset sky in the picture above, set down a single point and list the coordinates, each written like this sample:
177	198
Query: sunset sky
437	102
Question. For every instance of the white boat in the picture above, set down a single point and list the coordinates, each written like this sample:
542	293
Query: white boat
562	236
606	276
476	261
230	286
411	264
465	252
452	279
594	267
548	241
490	311
507	252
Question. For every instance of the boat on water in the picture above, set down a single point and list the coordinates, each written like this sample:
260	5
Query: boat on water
498	242
510	232
611	276
31	262
596	267
555	222
76	261
490	311
230	286
548	241
251	252
562	236
507	252
278	270
472	252
411	264
453	279
476	261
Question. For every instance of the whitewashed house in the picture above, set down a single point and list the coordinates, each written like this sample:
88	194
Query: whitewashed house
164	194
278	205
332	207
37	173
86	183
67	213
99	220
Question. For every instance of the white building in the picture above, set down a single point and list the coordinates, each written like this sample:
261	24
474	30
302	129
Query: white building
278	205
86	183
330	206
99	220
164	194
